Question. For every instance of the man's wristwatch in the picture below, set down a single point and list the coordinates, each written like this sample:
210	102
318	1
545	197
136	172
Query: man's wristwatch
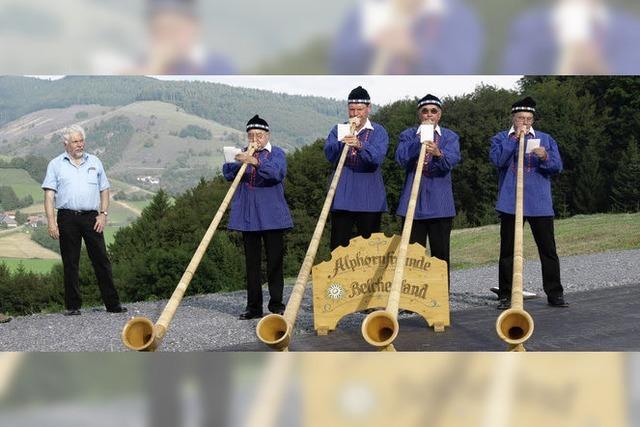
105	213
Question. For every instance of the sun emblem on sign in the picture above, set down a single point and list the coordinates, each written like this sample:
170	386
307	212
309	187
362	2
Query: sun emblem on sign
335	291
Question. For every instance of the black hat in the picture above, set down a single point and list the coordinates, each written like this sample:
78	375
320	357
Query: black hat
257	122
528	105
430	99
359	96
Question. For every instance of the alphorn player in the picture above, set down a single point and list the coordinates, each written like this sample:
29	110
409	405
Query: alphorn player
360	196
435	208
259	210
542	161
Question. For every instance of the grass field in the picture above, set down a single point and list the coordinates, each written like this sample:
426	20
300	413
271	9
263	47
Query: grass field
117	186
120	215
109	232
35	265
473	247
36	208
21	183
140	205
581	234
20	245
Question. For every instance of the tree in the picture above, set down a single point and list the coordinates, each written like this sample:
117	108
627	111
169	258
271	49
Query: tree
196	132
21	218
588	194
8	198
625	191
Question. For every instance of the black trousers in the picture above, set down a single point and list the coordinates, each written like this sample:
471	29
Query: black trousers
342	223
274	248
438	232
543	234
73	229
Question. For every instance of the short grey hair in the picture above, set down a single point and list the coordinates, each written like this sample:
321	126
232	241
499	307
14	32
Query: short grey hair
68	131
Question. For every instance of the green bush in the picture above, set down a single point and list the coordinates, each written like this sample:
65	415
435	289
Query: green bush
196	132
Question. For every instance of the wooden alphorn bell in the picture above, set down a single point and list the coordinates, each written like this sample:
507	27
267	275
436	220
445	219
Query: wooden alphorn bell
140	333
274	329
381	328
514	326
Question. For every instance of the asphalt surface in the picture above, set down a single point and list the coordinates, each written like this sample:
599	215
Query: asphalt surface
603	290
598	320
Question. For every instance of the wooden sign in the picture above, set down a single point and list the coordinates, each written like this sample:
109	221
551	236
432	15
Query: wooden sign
465	389
359	277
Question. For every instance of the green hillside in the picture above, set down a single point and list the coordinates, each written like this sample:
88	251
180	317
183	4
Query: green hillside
117	185
296	120
21	183
147	133
141	139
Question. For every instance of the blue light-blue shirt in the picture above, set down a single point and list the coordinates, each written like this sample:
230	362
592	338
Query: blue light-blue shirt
77	187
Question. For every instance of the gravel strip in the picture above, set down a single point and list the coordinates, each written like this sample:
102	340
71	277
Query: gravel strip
210	322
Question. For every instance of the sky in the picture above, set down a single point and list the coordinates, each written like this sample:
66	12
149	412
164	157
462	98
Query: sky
382	89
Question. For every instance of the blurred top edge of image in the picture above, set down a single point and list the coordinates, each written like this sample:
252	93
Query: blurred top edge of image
353	37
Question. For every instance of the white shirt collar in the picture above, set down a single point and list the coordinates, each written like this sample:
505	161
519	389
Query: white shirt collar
267	147
367	125
513	130
436	129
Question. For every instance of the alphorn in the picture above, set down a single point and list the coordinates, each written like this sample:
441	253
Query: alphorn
140	333
275	329
381	327
9	364
383	56
514	326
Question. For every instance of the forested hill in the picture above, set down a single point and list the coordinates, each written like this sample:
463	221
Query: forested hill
298	120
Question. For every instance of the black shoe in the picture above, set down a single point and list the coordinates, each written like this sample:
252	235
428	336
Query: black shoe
277	308
504	304
558	302
118	309
249	315
72	313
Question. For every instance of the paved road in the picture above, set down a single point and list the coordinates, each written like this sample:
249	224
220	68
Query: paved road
598	320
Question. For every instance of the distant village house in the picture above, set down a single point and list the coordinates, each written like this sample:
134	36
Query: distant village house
7	221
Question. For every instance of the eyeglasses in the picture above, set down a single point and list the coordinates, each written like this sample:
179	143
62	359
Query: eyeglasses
524	119
429	110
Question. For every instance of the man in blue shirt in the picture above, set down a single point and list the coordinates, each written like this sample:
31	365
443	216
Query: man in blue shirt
542	161
435	208
259	210
76	184
360	196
